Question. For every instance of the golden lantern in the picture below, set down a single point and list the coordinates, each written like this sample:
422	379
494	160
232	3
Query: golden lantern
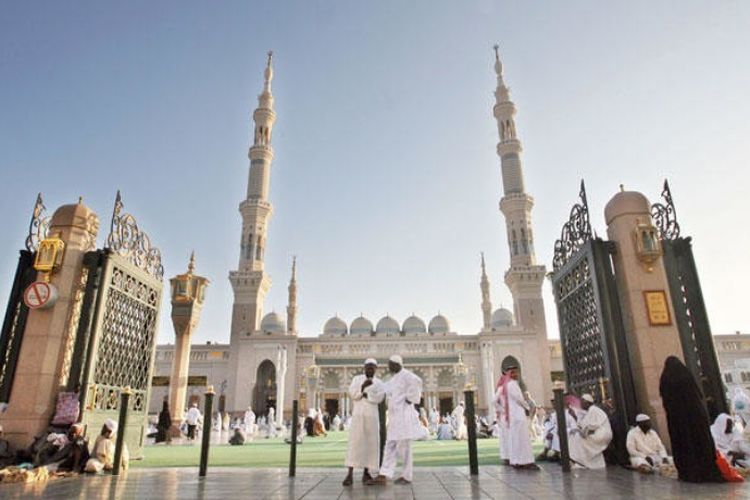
49	256
647	244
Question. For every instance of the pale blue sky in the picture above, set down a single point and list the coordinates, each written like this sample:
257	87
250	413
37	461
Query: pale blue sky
385	182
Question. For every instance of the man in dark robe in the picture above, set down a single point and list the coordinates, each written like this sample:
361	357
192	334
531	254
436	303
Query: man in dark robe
692	445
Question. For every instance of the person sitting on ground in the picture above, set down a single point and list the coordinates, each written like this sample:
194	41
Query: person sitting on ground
103	454
729	441
591	436
644	446
238	438
445	430
72	457
319	428
548	435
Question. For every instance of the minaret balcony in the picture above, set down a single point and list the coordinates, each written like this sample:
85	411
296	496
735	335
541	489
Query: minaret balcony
260	152
509	146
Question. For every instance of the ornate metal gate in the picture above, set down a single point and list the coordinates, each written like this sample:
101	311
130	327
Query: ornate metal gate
595	354
14	324
115	343
687	301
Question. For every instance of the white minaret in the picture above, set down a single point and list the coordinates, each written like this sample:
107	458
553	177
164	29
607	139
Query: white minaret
250	282
525	277
484	285
291	308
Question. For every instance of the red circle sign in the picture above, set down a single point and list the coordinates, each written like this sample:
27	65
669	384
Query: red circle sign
39	295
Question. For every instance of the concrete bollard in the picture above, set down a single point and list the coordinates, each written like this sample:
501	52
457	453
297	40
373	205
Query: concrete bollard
121	424
206	441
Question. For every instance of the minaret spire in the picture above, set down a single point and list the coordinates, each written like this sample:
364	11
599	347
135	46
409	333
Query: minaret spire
291	308
191	264
250	282
484	285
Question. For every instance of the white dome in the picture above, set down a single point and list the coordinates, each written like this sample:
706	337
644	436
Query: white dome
361	326
439	325
414	325
388	326
272	323
502	318
335	327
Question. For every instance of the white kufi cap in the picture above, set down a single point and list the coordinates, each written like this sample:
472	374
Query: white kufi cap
371	361
588	397
641	417
111	425
396	358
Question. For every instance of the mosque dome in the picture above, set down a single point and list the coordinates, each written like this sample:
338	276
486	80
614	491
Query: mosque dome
272	323
361	326
414	325
388	326
502	318
439	325
335	327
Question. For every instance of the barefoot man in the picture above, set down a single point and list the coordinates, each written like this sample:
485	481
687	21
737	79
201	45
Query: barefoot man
404	390
366	392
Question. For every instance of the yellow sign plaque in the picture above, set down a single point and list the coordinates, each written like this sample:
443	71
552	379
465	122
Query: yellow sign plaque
657	308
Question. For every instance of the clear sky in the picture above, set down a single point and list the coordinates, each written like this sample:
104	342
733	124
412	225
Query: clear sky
386	181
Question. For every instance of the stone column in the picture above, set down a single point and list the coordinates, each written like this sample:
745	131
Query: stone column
44	359
648	345
188	292
280	383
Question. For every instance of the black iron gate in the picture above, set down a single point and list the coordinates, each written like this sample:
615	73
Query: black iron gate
690	310
14	323
595	353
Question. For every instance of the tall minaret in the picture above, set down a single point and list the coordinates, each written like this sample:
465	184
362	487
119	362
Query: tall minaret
291	308
250	282
525	277
484	285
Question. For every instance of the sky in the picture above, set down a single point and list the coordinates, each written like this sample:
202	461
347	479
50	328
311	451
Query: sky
386	182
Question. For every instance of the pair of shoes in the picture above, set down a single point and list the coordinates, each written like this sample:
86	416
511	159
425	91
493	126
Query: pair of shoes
348	481
378	481
401	480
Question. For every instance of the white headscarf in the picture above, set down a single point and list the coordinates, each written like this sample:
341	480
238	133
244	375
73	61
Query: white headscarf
722	439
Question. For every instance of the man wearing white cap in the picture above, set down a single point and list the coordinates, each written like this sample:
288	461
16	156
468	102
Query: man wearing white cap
103	454
404	390
363	451
591	436
646	450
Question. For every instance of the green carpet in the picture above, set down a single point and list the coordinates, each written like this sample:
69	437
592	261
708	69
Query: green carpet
327	451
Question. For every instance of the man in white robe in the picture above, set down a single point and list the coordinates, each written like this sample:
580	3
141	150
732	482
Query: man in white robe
363	450
591	436
520	453
404	390
461	432
434	420
501	413
644	446
249	421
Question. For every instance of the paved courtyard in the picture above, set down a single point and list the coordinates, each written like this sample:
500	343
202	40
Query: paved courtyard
430	483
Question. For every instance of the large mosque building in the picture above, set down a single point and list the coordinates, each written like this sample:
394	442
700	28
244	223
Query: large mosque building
266	363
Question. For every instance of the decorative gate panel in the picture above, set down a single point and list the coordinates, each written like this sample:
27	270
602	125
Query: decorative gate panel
689	308
595	354
120	349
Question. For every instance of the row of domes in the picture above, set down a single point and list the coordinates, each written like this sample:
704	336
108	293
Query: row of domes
413	325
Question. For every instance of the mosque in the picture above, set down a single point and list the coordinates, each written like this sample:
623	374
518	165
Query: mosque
266	363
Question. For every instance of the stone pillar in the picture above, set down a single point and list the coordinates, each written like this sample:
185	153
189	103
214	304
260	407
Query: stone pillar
649	345
188	292
44	359
280	383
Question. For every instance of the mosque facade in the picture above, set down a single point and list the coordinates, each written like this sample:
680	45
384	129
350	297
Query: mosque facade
267	363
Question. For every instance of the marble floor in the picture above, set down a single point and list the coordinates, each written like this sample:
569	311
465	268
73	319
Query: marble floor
325	484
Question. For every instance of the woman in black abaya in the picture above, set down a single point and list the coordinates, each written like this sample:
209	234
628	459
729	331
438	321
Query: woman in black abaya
689	429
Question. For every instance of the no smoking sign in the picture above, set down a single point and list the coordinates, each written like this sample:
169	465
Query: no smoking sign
39	295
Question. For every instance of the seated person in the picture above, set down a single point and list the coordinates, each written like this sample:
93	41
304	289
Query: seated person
591	436
73	456
730	442
445	430
644	446
103	454
238	438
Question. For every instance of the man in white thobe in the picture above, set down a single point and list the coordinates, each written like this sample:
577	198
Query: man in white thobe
434	420
193	418
591	436
646	450
249	421
520	453
501	414
363	451
404	390
461	432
